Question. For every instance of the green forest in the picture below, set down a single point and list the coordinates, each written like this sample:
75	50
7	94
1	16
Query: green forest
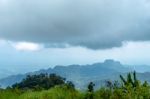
52	86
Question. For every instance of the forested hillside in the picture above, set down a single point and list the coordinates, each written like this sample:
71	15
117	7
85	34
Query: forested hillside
80	75
44	86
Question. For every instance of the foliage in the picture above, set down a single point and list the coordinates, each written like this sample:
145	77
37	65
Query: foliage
128	88
91	87
41	81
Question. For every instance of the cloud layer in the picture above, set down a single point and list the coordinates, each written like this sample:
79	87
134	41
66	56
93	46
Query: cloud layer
95	24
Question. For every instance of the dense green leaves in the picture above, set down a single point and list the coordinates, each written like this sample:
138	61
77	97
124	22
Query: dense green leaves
129	88
41	81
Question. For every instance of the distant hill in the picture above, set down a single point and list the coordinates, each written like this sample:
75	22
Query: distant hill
5	73
81	75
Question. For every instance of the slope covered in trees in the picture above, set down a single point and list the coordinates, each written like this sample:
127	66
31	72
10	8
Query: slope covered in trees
127	88
80	75
41	81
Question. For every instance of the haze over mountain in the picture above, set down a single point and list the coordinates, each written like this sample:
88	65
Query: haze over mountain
81	75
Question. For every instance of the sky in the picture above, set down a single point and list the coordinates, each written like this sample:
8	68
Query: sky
37	34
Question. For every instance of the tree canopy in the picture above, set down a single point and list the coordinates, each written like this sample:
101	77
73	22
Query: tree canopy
41	81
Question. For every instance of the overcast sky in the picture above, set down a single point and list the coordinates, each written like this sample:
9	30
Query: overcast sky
43	33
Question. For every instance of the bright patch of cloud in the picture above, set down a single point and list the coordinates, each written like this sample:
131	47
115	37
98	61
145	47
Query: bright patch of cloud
26	46
2	42
3	2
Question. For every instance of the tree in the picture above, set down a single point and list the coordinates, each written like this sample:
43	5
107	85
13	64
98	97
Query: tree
41	81
109	84
70	85
90	90
145	84
91	87
130	80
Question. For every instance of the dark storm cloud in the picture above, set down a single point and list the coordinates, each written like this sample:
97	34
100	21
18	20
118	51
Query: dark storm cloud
93	24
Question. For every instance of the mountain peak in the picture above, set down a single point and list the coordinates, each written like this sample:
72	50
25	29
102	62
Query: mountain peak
111	61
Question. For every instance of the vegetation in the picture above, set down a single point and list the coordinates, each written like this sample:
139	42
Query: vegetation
55	87
42	81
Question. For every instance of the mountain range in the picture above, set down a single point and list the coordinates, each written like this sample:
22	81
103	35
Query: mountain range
81	75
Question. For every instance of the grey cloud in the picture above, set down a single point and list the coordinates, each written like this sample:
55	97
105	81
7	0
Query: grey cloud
95	24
